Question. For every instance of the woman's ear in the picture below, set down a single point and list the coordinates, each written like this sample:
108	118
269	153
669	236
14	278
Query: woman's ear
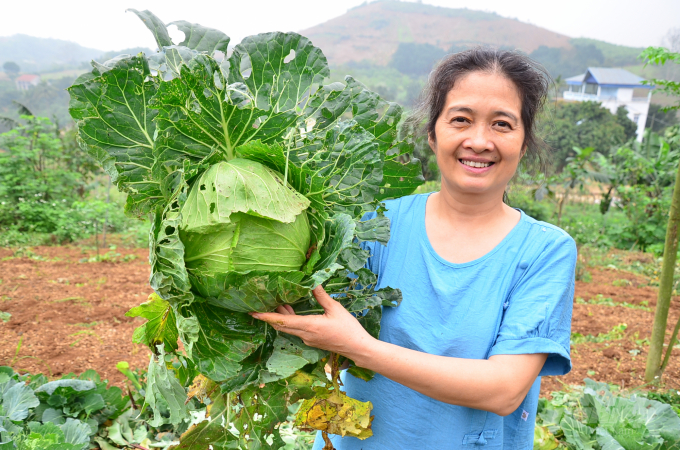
433	143
523	152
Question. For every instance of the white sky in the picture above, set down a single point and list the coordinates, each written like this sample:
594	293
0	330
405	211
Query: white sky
104	24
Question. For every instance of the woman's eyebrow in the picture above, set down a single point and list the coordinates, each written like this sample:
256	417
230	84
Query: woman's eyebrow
507	114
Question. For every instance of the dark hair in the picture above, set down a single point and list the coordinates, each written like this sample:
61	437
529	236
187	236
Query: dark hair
529	77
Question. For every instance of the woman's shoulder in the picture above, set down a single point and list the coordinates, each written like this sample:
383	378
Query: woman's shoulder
546	235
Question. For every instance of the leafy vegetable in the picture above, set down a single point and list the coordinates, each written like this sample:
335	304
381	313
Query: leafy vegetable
256	176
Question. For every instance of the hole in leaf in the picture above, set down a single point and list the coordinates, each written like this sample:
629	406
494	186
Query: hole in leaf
169	230
176	35
213	187
217	79
203	187
164	241
175	205
290	57
246	67
212	207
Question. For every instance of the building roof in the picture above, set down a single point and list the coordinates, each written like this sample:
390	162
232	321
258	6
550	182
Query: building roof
27	77
606	76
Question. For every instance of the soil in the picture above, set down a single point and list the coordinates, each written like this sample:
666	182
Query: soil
69	316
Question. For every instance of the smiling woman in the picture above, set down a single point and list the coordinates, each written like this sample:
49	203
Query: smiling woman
487	290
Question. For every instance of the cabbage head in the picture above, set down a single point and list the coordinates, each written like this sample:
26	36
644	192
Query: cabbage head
240	217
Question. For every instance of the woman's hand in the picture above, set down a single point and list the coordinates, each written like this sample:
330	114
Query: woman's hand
336	330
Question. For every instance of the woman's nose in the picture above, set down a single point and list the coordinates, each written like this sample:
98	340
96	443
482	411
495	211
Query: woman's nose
479	139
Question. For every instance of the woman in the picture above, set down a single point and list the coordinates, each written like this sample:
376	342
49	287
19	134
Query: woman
487	290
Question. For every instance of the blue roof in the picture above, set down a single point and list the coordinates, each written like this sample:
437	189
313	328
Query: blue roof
605	76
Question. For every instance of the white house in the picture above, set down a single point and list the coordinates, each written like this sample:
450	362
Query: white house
26	81
613	88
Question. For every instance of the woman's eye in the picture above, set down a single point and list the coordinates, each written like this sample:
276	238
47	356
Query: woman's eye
503	124
459	120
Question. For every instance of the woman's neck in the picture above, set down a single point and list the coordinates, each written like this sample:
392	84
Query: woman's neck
465	228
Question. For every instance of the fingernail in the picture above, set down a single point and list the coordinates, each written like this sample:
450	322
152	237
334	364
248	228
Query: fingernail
255	315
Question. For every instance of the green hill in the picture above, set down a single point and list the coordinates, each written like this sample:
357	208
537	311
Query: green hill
34	54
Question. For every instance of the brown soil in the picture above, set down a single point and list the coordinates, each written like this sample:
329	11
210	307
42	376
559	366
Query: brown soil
615	361
70	316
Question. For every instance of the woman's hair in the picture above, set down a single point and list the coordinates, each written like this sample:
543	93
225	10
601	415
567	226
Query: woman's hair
530	78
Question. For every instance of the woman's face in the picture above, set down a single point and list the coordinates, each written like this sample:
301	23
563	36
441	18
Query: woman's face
479	135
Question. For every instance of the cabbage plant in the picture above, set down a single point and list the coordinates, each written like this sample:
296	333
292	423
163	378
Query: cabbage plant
256	175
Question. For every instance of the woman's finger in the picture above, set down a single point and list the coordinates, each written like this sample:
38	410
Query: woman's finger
284	321
323	298
289	309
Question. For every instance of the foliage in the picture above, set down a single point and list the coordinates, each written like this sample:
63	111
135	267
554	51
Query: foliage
597	418
658	119
416	59
583	124
11	68
660	56
568	62
236	151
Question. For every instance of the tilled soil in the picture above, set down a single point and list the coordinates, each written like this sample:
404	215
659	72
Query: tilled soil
69	316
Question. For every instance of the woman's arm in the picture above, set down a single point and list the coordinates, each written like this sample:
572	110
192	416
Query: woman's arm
498	384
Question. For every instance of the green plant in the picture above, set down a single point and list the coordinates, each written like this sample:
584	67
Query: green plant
249	159
599	417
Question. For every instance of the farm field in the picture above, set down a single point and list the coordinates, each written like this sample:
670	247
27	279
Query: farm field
68	315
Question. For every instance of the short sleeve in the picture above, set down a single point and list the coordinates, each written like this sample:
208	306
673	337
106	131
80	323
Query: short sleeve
538	314
371	246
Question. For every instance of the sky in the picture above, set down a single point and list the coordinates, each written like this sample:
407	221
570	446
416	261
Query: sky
105	25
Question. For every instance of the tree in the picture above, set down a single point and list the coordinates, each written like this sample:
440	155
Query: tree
416	59
655	366
11	68
658	119
583	124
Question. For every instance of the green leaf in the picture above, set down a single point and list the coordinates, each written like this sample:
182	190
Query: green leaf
160	328
169	277
76	433
261	63
376	229
164	388
93	403
606	440
156	26
17	400
200	38
55	416
290	355
256	291
117	128
400	179
66	387
577	434
212	430
225	339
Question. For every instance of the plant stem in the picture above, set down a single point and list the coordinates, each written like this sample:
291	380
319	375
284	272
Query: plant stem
671	344
654	368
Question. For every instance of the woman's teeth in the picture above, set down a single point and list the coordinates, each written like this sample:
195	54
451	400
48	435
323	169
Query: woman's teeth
475	163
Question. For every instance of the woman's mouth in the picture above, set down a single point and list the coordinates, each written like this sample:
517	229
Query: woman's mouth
475	164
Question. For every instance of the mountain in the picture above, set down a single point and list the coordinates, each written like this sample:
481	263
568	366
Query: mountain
34	54
373	31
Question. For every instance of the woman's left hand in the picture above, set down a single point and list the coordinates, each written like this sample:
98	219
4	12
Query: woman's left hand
336	330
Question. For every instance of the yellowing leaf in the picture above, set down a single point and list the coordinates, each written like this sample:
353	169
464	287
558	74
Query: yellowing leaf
335	413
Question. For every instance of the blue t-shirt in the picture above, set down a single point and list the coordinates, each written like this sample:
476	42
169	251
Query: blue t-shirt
516	299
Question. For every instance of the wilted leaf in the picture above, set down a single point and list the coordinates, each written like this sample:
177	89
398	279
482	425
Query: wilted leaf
335	413
160	327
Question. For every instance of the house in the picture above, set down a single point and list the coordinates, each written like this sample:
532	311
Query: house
613	88
25	82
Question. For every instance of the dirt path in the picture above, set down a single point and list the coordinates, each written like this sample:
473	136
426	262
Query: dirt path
70	316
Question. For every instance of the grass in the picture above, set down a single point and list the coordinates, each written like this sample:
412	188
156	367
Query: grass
78	300
614	334
599	299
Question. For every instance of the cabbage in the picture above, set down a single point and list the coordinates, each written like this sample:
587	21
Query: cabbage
255	175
